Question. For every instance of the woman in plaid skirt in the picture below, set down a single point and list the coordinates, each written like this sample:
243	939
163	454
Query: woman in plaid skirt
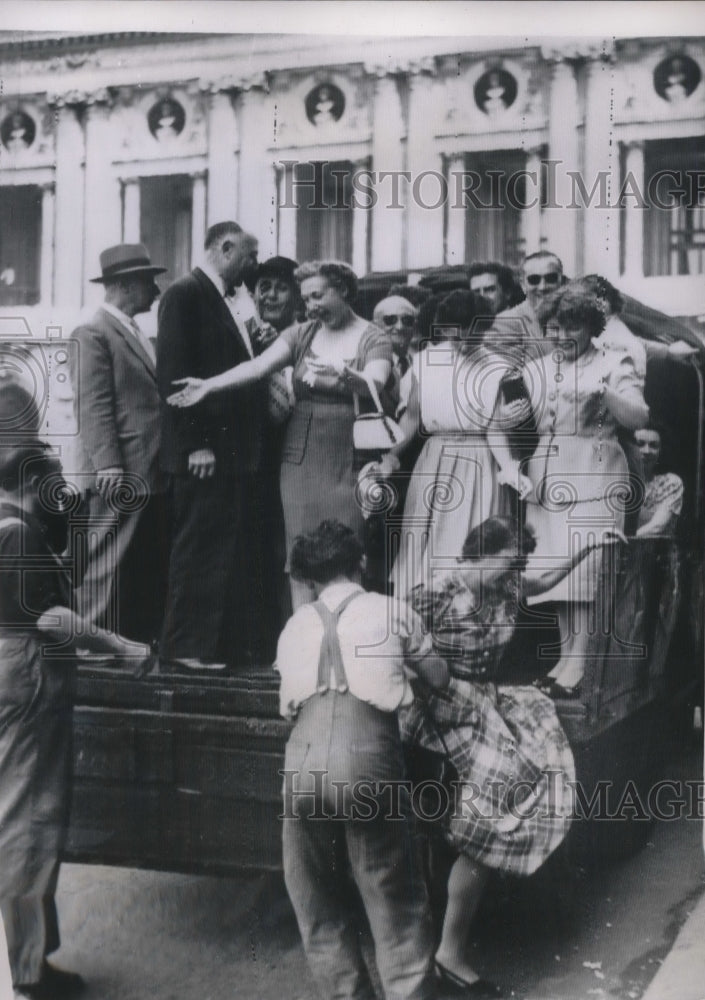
514	799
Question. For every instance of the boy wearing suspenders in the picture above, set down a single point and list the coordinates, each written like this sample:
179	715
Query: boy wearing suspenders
347	814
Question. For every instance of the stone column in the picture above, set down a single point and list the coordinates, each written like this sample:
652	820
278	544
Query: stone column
70	209
531	222
286	218
198	213
223	144
426	201
268	226
253	181
388	156
633	214
601	173
457	214
131	228
46	265
103	203
559	222
360	232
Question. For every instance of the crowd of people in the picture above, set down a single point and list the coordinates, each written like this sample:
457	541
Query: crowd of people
387	494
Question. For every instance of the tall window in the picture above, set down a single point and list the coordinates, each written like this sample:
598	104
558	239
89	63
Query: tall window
165	222
324	210
493	228
20	245
674	222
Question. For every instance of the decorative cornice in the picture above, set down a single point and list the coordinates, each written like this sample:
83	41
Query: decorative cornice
18	43
233	82
579	50
398	66
81	98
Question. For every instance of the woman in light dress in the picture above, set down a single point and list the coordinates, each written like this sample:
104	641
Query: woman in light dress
582	393
465	472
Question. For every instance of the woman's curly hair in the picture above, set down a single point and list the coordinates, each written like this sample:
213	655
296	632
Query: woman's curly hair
338	275
495	534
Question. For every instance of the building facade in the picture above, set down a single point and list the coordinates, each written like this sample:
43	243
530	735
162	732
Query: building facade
398	154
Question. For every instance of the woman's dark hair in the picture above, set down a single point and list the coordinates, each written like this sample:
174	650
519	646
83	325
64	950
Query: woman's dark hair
580	311
573	307
20	461
601	288
338	275
495	534
426	316
464	311
331	550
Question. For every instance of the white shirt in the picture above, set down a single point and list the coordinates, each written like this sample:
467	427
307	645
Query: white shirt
376	634
240	304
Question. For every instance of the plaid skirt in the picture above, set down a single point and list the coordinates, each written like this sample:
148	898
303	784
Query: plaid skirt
514	797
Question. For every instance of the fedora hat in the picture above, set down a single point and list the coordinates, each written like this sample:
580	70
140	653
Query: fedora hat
124	259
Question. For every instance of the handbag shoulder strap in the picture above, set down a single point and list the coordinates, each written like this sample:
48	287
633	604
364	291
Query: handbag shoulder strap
428	717
374	394
330	656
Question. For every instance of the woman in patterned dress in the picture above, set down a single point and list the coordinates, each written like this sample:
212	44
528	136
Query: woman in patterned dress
512	757
333	353
663	492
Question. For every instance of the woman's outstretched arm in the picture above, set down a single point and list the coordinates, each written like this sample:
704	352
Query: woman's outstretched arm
537	581
193	390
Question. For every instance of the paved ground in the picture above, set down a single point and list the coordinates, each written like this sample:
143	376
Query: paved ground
164	936
682	975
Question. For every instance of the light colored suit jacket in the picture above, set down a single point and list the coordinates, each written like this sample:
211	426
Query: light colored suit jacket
116	402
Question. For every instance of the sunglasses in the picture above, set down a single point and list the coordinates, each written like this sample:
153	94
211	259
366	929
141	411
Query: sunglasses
407	321
549	279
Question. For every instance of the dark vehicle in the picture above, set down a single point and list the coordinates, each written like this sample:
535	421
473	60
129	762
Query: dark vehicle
174	772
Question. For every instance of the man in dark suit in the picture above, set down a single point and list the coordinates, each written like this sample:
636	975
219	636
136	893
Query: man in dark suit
117	409
212	455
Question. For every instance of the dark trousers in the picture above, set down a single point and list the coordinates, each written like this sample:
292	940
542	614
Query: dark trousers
218	598
345	741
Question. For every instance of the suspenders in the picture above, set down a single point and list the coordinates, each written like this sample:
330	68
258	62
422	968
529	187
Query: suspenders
330	655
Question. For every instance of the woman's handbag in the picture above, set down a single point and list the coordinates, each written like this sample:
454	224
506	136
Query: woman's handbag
374	432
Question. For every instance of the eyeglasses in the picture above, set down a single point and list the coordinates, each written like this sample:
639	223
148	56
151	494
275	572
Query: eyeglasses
407	321
552	278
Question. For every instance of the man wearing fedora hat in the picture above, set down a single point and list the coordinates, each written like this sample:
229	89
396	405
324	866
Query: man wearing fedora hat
117	408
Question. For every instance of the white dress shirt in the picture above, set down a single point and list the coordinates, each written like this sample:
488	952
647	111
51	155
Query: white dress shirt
376	634
240	304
